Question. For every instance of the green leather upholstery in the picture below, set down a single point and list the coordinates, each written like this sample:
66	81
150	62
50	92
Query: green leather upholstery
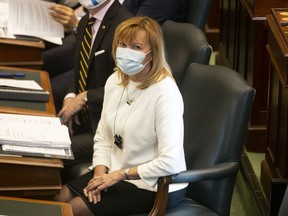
198	12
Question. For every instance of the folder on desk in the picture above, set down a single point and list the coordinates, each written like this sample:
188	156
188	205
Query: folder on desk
19	151
23	90
7	93
29	135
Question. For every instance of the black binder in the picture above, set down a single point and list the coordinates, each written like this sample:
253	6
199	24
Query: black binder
9	93
22	94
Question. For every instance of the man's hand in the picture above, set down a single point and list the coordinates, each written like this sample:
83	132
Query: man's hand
64	15
71	107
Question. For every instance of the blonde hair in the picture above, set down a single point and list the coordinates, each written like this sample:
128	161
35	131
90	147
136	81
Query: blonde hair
127	31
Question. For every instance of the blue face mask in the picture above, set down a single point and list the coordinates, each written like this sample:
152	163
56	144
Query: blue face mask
130	61
91	4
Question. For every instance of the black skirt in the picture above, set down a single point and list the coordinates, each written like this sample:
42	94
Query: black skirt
122	198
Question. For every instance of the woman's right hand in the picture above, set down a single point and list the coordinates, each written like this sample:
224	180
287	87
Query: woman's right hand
101	183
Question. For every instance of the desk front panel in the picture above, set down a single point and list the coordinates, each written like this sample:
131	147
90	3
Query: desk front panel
30	177
19	53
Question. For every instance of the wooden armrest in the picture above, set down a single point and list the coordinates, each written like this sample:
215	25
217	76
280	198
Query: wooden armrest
161	197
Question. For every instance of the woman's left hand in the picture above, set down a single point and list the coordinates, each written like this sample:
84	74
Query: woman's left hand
100	183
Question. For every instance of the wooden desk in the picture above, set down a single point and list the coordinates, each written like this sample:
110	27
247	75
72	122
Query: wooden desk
30	177
21	53
24	176
28	207
275	165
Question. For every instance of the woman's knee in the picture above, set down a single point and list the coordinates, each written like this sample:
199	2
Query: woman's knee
65	195
79	207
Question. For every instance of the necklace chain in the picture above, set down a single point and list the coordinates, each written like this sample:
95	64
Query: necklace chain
118	140
130	100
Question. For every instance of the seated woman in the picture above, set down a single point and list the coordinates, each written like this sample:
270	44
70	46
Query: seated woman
140	135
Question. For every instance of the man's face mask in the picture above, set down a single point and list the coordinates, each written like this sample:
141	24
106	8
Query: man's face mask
91	4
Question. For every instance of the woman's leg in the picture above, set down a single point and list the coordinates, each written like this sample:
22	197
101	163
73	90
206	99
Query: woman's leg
65	195
79	207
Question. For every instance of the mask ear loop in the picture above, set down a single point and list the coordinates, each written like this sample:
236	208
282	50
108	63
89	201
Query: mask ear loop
148	52
150	60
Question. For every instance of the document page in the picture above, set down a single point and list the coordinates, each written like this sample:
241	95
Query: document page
34	136
48	152
3	13
22	84
38	121
27	130
26	134
4	10
30	17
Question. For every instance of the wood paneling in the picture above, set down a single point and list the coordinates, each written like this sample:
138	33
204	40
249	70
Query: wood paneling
243	39
212	28
275	165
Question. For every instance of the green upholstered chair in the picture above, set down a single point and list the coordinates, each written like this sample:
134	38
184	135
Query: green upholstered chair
217	105
185	44
283	211
198	12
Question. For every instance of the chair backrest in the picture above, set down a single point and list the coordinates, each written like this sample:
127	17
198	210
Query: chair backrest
185	43
198	12
217	104
283	211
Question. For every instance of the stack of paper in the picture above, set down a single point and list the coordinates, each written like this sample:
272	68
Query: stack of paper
29	18
28	134
31	135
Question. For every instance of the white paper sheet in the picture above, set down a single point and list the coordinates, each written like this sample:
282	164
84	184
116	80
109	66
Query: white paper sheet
33	131
30	17
25	134
29	119
44	151
4	13
25	84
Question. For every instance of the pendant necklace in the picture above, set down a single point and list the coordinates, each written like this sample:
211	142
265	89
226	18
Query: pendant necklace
130	100
118	140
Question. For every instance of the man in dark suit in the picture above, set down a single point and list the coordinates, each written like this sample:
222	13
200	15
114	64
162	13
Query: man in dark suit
160	10
108	14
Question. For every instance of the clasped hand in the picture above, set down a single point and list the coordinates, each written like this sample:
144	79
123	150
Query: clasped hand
71	107
101	183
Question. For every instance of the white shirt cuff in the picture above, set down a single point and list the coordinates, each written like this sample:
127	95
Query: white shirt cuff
70	95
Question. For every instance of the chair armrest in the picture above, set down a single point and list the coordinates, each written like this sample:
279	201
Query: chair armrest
218	171
214	172
161	198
